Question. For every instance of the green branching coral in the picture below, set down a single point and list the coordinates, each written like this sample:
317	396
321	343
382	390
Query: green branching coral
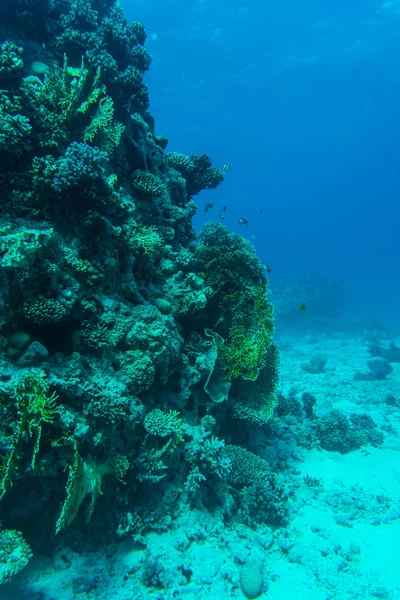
35	406
146	238
72	100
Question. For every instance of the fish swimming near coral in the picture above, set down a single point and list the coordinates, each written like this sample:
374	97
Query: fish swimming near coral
243	221
225	168
208	206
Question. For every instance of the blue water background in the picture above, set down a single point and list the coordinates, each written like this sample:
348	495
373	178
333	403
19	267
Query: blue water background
302	99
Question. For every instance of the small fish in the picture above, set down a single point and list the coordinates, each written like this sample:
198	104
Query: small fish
243	221
224	208
261	211
221	216
302	307
268	268
253	237
208	206
225	168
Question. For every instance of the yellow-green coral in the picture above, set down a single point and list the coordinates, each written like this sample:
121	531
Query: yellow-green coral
255	401
231	269
35	406
74	98
146	238
251	327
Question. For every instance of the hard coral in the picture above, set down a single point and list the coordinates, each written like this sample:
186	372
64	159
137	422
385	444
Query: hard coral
236	277
14	553
153	342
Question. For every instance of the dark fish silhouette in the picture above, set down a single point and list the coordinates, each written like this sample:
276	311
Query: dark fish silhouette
221	216
243	221
224	208
268	268
208	206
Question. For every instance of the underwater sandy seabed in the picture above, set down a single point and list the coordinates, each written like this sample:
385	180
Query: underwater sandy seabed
343	540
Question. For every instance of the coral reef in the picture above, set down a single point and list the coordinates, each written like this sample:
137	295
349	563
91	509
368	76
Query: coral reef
130	350
323	297
14	553
378	370
337	433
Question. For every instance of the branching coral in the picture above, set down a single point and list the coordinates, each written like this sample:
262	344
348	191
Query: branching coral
35	406
72	99
14	127
163	424
148	239
196	170
11	63
147	183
